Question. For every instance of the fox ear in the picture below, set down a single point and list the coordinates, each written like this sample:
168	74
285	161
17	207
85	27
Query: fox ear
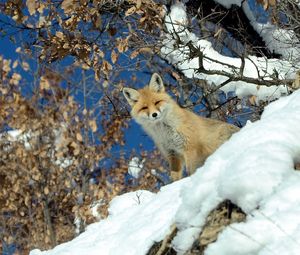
156	83
131	95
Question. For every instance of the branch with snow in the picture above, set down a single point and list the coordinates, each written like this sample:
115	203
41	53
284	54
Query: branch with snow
281	41
196	58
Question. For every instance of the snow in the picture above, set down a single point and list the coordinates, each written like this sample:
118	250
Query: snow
254	169
177	21
251	177
95	207
77	223
28	138
18	136
135	221
255	67
228	3
135	167
129	200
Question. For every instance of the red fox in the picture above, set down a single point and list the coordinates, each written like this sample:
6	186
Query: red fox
183	137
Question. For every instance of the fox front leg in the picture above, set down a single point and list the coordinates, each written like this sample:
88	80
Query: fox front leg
194	159
176	165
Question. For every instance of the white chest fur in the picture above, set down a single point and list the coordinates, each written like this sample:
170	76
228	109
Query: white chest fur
166	137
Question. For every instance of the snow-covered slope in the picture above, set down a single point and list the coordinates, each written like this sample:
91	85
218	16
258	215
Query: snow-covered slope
254	169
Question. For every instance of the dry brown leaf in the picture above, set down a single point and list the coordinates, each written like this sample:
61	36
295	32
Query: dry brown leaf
122	45
44	83
272	3
176	76
146	50
218	34
68	183
98	22
15	64
85	66
68	6
97	74
16	188
15	79
43	154
106	67
134	54
142	19
112	31
79	137
252	100
27	201
41	7
65	115
47	239
266	4
74	145
130	11
59	34
100	53
46	190
138	4
76	152
25	66
93	125
31	5
36	177
114	56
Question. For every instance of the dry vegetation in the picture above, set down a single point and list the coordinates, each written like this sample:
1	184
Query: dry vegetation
52	171
47	168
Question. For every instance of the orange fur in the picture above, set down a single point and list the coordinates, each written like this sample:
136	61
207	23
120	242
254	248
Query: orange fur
183	137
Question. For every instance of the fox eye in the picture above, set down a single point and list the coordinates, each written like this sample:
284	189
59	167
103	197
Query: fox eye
144	108
157	102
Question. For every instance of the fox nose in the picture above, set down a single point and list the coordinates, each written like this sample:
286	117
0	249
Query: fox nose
154	115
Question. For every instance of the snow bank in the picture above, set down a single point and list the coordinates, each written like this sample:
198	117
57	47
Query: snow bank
255	176
136	220
254	169
254	67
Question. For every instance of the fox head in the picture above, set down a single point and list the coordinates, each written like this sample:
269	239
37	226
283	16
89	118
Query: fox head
149	104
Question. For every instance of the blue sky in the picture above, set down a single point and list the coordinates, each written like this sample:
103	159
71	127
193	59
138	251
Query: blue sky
134	135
